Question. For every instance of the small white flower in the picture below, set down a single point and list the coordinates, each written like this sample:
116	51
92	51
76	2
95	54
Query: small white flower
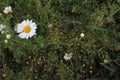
82	35
8	36
26	29
7	9
6	41
67	56
2	28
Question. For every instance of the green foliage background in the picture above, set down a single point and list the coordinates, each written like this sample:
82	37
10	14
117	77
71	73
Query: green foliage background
59	25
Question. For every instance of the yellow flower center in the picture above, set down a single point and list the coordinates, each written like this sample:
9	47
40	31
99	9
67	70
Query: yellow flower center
67	55
27	29
7	9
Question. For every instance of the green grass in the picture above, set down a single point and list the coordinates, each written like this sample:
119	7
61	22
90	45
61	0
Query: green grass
96	56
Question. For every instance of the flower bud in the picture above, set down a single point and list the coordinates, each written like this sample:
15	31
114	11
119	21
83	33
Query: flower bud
8	36
50	25
82	35
6	41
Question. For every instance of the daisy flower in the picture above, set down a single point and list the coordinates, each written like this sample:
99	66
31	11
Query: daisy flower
67	56
26	29
7	9
2	28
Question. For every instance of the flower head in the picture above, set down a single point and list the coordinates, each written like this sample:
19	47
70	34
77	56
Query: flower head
7	9
67	56
82	35
6	41
8	36
26	29
2	28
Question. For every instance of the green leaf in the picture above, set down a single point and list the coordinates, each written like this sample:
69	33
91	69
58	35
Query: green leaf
108	67
93	27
